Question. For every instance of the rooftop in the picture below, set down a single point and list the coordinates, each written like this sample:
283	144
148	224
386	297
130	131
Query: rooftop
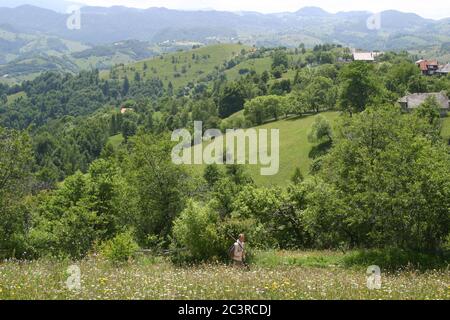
424	64
363	56
445	69
416	99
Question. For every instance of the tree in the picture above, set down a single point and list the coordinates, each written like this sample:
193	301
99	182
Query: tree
418	84
125	86
137	76
386	183
231	99
128	128
84	209
274	211
238	174
321	136
265	76
281	87
431	111
400	75
160	187
204	110
297	177
212	174
319	94
195	231
263	108
15	174
105	191
280	58
359	89
294	103
170	89
320	131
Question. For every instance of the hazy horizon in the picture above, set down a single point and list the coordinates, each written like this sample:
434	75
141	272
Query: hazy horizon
432	9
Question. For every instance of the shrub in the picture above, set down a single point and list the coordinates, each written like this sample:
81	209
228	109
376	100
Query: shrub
195	236
275	212
392	259
69	233
121	248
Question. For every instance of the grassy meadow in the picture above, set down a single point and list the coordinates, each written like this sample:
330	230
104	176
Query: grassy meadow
180	68
273	275
295	149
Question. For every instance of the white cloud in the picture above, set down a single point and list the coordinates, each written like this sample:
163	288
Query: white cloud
429	8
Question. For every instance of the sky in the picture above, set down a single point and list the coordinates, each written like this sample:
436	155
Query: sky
435	9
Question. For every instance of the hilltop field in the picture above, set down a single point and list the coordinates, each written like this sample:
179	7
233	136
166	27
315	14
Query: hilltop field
201	65
179	68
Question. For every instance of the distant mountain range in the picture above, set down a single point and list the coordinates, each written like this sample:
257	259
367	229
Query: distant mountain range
55	5
100	25
28	30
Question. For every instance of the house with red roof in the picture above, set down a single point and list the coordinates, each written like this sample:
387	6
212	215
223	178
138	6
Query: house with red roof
428	67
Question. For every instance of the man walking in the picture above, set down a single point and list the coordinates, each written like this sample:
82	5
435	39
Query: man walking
239	251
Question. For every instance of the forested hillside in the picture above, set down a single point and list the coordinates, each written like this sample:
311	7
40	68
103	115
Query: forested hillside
86	159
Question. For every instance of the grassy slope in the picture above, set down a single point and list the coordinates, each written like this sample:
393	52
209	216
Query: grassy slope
163	68
259	65
446	127
116	140
14	97
294	149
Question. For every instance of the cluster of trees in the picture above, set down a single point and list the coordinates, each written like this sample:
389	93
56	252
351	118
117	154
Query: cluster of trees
384	182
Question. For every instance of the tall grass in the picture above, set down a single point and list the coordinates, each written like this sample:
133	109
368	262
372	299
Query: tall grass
273	275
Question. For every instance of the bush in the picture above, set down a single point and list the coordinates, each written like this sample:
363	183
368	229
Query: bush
63	234
276	214
121	248
195	236
392	259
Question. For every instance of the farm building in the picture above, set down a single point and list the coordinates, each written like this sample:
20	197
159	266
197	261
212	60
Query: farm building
365	56
444	70
413	101
428	67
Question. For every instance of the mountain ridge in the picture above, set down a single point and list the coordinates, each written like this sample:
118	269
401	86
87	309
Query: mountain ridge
158	29
311	10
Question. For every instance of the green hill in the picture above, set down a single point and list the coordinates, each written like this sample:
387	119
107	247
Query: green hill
180	68
294	149
259	65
